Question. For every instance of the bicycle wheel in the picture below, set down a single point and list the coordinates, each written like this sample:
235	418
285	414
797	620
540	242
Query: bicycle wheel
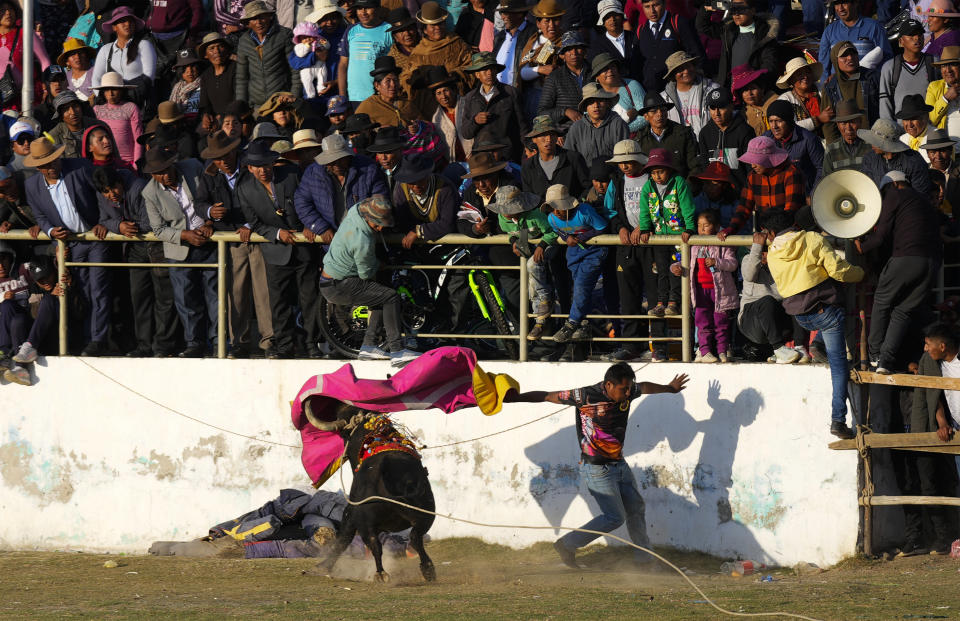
343	327
485	348
498	318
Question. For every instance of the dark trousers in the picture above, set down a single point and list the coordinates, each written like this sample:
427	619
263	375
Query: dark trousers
151	296
43	332
93	286
629	273
764	322
927	474
14	326
904	285
662	286
291	285
384	306
195	295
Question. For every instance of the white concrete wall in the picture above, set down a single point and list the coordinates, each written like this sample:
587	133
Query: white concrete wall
738	469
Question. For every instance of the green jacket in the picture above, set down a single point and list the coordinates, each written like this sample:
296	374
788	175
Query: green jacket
670	214
534	221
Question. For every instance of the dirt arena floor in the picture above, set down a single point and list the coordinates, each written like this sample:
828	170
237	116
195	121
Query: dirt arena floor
475	581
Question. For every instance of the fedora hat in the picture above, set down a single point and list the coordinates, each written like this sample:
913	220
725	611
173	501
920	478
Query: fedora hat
558	198
42	151
435	77
949	55
357	123
169	112
508	200
715	171
321	10
149	130
659	158
848	111
259	153
542	124
513	6
884	135
548	8
743	75
388	139
592	90
209	39
165	136
628	151
72	46
431	13
305	139
376	210
335	148
483	163
255	9
763	151
600	63
384	65
186	57
119	13
277	101
676	60
400	19
482	60
158	160
112	79
938	139
219	144
912	107
653	101
796	64
414	168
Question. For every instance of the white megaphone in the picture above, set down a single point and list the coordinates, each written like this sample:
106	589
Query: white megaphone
846	204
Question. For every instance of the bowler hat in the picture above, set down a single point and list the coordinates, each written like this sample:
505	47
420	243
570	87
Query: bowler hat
400	19
384	65
357	123
513	6
386	140
548	8
414	168
431	13
435	77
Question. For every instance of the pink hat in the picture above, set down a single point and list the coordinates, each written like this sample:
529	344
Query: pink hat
743	75
305	29
122	12
763	151
939	8
659	158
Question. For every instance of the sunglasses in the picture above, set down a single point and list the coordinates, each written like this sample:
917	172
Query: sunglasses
23	139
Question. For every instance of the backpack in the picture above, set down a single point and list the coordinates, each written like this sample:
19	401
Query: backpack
898	68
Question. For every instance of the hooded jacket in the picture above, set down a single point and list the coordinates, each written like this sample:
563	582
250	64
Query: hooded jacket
804	266
866	88
719	145
763	53
115	161
698	94
757	281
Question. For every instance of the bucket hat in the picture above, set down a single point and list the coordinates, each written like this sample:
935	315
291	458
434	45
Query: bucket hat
715	171
606	7
509	200
594	91
763	151
558	198
376	210
482	60
571	38
676	60
628	151
63	99
255	9
335	148
543	124
321	10
659	158
884	135
600	64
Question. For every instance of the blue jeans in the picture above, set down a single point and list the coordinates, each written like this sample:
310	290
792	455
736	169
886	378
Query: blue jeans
615	490
830	324
195	295
585	266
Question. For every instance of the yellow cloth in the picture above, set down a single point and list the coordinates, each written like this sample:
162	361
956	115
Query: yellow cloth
489	389
801	260
935	91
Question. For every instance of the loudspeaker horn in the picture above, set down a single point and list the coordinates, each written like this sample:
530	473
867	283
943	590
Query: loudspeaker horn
846	204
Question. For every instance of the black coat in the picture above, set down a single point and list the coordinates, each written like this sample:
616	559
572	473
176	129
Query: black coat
506	122
631	65
726	146
571	172
214	188
132	210
523	36
261	213
654	51
678	139
763	55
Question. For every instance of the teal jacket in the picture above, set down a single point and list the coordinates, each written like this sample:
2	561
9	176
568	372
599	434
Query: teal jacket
670	214
353	251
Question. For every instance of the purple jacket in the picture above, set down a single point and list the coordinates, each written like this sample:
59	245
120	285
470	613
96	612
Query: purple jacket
723	282
314	198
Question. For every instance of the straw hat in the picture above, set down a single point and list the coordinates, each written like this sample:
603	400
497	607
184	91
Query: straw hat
72	46
795	65
305	139
112	79
628	151
548	8
42	151
431	13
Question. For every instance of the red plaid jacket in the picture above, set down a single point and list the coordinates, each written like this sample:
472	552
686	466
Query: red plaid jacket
783	187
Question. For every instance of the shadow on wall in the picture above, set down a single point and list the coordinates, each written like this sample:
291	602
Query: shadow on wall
697	507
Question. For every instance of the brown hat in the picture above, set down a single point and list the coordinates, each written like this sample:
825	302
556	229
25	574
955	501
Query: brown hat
275	102
483	164
548	8
169	112
219	144
158	160
42	151
949	56
256	8
848	111
431	13
676	60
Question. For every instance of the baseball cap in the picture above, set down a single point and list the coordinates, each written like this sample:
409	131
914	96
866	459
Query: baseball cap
911	27
719	98
21	127
53	73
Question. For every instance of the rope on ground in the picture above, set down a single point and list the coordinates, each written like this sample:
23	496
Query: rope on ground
179	413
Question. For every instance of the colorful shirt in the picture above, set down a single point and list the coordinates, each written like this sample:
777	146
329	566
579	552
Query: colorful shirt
601	423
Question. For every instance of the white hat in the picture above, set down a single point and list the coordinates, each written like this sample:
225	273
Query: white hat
606	7
628	151
112	79
892	177
21	127
321	10
558	197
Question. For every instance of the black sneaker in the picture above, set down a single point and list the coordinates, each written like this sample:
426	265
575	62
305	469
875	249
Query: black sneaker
192	351
568	556
94	349
140	352
841	430
568	355
565	333
622	355
582	333
940	549
911	548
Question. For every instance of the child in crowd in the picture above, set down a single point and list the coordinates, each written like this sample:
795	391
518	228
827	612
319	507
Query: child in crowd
309	55
665	209
718	193
575	223
14	312
186	91
713	292
520	219
121	116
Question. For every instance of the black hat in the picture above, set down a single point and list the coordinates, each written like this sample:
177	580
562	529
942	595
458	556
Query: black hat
387	139
912	107
414	168
259	154
600	170
384	65
158	160
435	77
166	135
719	98
910	27
357	123
653	101
187	57
370	4
53	73
782	109
42	267
400	19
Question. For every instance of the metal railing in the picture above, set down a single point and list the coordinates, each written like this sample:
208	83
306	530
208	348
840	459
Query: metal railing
221	239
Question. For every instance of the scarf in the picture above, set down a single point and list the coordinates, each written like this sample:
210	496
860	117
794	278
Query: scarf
182	90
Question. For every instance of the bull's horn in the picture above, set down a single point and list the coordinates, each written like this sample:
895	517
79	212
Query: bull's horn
322	425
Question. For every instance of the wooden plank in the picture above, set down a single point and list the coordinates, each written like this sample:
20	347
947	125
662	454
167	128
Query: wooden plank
886	501
927	442
909	380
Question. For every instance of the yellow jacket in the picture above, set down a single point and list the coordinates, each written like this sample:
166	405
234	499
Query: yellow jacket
801	260
935	91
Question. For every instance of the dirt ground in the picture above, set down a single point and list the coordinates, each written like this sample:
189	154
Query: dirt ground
475	581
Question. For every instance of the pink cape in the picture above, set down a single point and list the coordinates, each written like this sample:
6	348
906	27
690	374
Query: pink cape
441	378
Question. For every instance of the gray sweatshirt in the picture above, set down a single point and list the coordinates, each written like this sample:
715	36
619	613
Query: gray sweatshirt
911	82
757	280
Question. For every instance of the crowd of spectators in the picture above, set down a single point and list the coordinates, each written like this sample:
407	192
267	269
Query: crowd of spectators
556	121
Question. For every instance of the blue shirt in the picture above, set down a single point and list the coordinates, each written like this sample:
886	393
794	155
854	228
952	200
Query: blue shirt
865	35
363	46
65	207
507	52
584	223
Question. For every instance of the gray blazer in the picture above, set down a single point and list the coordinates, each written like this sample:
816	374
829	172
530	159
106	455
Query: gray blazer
167	220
